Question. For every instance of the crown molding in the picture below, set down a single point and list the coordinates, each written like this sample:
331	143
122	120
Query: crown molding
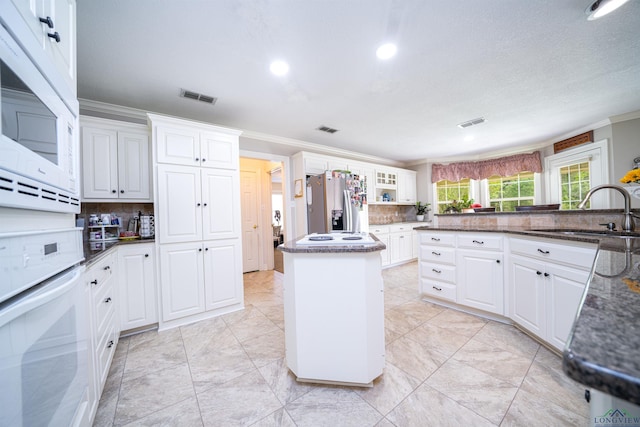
112	109
624	117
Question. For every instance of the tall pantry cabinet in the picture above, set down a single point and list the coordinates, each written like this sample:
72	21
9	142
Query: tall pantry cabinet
197	208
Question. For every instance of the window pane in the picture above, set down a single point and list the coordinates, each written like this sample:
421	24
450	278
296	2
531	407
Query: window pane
505	193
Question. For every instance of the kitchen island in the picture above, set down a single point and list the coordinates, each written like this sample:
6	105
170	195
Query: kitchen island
334	310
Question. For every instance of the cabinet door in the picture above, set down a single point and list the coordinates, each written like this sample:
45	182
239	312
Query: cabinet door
565	287
526	293
480	280
179	205
385	254
219	151
133	166
136	284
401	247
63	53
181	280
407	187
220	204
178	146
99	163
222	273
30	11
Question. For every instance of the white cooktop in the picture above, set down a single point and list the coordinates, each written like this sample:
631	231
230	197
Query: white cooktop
333	239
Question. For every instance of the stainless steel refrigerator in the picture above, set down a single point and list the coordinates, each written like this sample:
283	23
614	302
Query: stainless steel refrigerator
336	201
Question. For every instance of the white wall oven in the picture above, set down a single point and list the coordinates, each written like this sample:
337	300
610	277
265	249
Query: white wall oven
44	351
38	155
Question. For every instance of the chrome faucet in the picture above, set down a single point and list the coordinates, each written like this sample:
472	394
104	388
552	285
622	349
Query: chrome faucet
627	225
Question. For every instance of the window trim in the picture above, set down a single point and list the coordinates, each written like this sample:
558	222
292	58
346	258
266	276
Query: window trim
597	154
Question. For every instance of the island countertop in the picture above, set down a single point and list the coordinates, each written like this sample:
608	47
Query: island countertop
292	246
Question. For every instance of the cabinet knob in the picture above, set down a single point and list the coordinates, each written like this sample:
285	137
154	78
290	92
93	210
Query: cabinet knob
47	21
94	282
200	250
106	267
197	159
198	204
205	205
114	191
206	249
146	255
110	344
538	273
204	160
546	274
122	191
107	300
543	252
54	36
498	261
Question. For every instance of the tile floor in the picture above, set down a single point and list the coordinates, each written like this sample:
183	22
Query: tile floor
443	368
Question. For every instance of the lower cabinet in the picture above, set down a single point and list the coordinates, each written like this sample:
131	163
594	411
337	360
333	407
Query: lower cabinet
197	277
480	281
136	286
401	241
545	297
104	329
382	233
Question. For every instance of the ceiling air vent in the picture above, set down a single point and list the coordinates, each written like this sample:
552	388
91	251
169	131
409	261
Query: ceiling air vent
470	123
327	129
197	96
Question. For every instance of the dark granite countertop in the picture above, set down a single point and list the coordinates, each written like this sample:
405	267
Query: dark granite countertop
292	247
93	251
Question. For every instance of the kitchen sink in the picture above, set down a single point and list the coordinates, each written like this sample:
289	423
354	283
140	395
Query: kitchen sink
592	233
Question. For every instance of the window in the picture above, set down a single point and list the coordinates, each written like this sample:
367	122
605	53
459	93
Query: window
448	191
505	193
574	184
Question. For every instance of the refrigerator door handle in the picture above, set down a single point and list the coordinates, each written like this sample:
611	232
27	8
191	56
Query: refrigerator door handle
347	211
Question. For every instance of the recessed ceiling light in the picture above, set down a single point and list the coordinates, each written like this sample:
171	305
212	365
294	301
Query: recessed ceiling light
279	68
386	51
599	8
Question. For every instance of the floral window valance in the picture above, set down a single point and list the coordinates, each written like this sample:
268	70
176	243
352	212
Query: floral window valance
505	166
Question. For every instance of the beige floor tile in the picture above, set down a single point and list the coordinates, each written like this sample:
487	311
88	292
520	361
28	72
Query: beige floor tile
446	341
428	407
327	406
252	326
165	348
275	313
183	414
494	361
508	338
240	402
399	322
279	418
527	407
146	394
481	393
414	358
283	382
389	389
266	348
458	322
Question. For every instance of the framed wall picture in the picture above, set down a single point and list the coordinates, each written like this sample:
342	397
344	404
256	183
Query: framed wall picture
297	188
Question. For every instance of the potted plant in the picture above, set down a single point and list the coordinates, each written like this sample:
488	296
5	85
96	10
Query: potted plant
421	210
457	206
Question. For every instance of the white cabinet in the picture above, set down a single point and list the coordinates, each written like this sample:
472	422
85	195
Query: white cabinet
480	278
437	264
189	146
115	161
382	233
100	278
400	243
47	30
136	286
407	192
197	204
198	216
546	283
199	276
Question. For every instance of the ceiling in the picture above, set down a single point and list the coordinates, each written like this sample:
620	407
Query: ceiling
535	70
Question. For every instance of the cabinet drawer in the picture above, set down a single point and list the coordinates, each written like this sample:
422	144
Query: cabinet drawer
101	271
440	239
379	229
576	254
104	352
445	273
438	255
480	241
103	305
438	289
401	227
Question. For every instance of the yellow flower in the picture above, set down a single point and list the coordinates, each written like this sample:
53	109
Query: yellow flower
632	176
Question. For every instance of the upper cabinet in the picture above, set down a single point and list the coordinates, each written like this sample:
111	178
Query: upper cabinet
193	147
47	30
407	192
115	161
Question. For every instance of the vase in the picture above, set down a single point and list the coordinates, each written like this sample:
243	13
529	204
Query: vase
420	218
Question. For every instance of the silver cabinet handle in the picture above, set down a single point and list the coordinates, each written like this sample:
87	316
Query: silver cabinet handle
437	288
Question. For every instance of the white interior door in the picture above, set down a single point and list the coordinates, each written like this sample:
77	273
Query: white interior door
249	183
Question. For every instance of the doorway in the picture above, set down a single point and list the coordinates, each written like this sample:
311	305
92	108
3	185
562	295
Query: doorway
263	187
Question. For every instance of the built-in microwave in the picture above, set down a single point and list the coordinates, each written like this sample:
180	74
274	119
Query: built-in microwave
38	148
